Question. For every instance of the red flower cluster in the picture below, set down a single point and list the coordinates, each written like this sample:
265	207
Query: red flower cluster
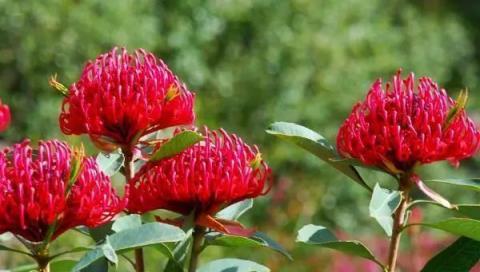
35	191
4	116
208	176
121	97
406	125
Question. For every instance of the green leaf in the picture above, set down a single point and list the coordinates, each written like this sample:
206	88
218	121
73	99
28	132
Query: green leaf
110	163
164	249
109	252
73	250
470	210
471	184
459	226
319	235
233	265
62	265
100	265
357	163
271	243
127	222
83	230
99	233
24	268
5	248
180	254
234	211
129	239
460	256
257	240
177	144
218	239
55	266
457	109
315	144
382	205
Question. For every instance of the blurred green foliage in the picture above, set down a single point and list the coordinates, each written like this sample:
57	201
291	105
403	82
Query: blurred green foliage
251	62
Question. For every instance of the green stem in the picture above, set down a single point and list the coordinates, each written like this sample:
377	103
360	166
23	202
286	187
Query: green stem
197	246
398	222
129	174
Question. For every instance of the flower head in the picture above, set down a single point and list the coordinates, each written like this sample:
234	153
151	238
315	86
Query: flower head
37	191
4	116
407	124
121	97
206	177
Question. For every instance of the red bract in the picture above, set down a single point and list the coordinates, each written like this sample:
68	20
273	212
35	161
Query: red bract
404	125
35	191
4	116
122	96
208	176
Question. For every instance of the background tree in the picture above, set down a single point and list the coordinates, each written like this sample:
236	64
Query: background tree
252	62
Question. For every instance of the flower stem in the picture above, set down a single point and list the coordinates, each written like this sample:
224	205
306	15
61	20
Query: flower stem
198	237
139	264
129	174
44	267
43	261
398	222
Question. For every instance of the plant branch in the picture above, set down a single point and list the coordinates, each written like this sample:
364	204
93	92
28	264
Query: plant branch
399	222
129	174
43	261
197	247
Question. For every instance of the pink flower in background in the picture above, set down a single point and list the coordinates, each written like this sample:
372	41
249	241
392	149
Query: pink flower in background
5	116
35	191
423	246
406	124
121	97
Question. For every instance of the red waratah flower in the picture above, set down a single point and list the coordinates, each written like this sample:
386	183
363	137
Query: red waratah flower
121	97
4	116
407	124
206	177
36	191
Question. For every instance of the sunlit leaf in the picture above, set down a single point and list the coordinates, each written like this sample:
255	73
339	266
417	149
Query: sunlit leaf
110	163
127	222
315	144
320	236
259	239
109	252
234	211
177	144
132	238
230	265
382	205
